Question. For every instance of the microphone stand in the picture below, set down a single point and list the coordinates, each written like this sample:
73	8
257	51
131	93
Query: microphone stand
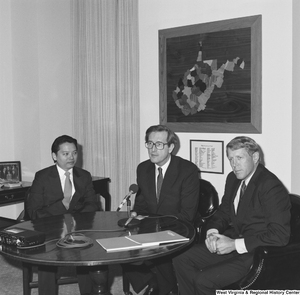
128	207
130	221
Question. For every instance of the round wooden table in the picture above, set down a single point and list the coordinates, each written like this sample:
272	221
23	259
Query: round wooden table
95	225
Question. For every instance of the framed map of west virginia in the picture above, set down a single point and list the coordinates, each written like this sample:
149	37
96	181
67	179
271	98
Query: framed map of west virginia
210	76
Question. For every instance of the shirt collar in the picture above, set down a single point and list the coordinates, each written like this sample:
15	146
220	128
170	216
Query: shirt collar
62	172
164	166
249	178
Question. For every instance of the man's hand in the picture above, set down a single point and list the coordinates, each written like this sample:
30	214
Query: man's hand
211	242
224	245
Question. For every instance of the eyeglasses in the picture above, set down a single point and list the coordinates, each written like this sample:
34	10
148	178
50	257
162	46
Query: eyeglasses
159	145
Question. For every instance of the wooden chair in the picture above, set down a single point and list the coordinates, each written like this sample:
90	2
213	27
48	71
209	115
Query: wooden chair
64	275
6	222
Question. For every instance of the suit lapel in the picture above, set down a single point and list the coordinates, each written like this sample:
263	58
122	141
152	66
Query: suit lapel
78	188
234	215
236	186
169	177
55	182
244	203
151	185
248	195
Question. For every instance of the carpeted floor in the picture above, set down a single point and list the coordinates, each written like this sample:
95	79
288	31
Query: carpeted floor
11	280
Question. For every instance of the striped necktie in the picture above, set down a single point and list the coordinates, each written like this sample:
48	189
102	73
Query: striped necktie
243	188
160	179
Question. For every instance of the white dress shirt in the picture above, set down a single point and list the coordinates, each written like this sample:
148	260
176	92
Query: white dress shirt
164	169
62	178
239	243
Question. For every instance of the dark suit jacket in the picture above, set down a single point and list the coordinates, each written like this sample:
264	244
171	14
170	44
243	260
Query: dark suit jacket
46	194
263	216
179	193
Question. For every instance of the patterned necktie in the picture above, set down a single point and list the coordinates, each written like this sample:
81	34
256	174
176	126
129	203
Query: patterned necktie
67	191
160	179
243	188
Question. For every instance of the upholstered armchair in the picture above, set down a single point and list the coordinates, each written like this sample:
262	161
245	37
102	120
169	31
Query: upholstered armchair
276	268
208	205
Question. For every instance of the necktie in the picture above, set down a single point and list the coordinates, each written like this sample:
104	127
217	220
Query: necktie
160	179
243	188
67	191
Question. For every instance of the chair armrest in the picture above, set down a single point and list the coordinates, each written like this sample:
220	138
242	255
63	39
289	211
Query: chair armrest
255	270
274	268
272	251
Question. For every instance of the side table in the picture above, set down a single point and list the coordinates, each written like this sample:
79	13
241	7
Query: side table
9	196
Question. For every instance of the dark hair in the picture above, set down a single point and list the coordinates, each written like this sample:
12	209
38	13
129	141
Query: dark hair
60	140
243	142
172	138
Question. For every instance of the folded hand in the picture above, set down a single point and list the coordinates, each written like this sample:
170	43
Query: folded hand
224	245
211	243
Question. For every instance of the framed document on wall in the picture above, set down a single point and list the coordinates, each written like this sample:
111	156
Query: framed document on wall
208	155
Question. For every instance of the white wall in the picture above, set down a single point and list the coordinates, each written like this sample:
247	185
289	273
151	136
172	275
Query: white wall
35	83
296	99
6	101
35	89
276	137
35	75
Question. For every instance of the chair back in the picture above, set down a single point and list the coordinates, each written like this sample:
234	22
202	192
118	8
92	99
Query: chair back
295	218
208	199
208	205
24	216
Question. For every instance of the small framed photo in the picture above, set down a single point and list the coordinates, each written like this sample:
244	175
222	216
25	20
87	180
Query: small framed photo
208	155
10	172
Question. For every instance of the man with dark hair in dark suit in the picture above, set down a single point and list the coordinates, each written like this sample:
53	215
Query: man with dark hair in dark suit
60	189
177	196
255	211
47	191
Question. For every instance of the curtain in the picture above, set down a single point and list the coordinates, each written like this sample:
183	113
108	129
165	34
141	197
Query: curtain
106	89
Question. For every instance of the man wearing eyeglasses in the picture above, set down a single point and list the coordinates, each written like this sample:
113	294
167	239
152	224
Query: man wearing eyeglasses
168	185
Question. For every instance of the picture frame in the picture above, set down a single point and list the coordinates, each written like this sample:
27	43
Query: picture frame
207	155
10	172
210	76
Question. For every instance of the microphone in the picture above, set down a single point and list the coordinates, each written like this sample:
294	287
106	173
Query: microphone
132	190
133	215
129	222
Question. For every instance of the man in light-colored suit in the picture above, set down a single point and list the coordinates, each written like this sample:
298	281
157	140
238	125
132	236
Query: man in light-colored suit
255	211
48	197
177	197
